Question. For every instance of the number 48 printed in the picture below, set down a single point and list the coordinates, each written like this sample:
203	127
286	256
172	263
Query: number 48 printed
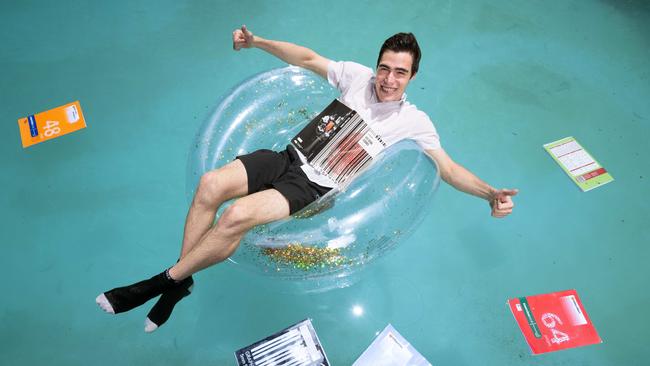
51	128
53	123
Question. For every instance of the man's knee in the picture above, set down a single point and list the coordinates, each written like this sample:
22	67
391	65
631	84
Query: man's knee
236	218
211	188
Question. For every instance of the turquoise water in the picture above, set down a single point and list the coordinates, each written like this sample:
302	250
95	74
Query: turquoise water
105	206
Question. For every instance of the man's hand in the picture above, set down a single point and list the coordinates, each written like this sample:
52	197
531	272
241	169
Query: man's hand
242	38
501	202
290	53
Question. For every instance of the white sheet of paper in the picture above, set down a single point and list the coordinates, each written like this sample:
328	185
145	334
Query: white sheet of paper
391	349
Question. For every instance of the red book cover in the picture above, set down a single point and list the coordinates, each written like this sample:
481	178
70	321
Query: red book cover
555	321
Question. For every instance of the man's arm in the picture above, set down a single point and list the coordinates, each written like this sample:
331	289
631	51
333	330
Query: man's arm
287	52
500	200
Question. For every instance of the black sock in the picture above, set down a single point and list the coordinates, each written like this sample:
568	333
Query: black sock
125	298
163	308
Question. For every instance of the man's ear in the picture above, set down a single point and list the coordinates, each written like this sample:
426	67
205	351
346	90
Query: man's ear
413	76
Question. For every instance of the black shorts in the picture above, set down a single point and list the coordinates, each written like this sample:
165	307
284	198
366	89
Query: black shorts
281	170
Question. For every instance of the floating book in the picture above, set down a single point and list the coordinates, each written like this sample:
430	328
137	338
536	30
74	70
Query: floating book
47	125
554	321
391	349
583	169
338	143
297	345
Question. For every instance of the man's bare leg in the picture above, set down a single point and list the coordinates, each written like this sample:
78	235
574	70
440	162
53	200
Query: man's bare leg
221	241
215	188
216	245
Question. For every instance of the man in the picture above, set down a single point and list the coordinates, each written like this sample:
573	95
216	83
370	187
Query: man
270	186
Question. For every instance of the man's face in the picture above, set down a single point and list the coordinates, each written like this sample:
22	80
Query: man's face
393	75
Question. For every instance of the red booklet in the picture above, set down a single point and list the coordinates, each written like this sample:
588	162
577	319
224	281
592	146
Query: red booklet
555	321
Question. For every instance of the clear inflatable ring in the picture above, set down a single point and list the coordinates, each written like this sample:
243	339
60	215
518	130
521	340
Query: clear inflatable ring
340	233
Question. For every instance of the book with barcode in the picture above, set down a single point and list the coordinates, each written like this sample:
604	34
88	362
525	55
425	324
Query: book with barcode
554	321
297	345
338	143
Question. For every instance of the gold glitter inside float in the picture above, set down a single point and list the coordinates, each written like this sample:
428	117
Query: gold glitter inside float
306	258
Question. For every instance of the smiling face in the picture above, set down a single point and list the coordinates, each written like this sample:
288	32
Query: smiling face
394	71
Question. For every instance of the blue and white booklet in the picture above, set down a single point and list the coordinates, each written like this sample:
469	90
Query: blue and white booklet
297	345
391	349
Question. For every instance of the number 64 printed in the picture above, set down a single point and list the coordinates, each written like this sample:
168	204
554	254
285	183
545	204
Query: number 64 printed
554	321
550	320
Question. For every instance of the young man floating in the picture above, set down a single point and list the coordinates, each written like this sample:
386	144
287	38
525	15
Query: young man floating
269	186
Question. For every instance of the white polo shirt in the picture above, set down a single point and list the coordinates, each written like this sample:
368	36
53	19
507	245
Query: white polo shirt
393	121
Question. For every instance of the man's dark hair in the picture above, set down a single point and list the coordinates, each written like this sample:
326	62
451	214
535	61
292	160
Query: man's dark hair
403	42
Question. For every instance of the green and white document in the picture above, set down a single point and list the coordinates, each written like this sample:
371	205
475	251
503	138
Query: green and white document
583	169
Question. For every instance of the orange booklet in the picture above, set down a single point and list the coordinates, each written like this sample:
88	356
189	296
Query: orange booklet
51	124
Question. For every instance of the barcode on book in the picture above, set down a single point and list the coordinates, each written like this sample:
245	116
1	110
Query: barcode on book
339	143
345	156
